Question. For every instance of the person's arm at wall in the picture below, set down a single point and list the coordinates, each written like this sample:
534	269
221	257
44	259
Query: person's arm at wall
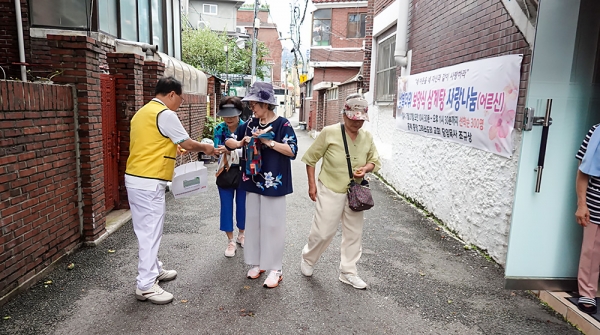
583	213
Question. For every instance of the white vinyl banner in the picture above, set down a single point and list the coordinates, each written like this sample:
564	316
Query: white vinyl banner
472	103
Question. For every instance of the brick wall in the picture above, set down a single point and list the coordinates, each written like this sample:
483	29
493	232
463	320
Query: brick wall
38	179
78	59
366	68
131	86
333	55
9	52
339	28
333	74
380	5
269	37
444	33
247	15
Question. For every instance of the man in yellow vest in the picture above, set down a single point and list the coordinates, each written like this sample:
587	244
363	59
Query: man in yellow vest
155	133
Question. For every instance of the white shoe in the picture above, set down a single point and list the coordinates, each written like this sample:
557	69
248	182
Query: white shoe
353	280
273	279
155	294
240	240
166	275
230	251
306	268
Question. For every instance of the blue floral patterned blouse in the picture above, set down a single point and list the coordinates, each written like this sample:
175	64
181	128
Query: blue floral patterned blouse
222	133
275	177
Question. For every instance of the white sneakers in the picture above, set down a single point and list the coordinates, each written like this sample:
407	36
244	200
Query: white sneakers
306	268
255	272
273	279
230	251
155	295
166	275
353	280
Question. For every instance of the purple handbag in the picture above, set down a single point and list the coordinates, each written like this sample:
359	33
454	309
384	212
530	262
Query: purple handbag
359	195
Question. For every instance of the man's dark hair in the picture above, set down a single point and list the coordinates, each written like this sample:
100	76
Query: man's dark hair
167	85
235	101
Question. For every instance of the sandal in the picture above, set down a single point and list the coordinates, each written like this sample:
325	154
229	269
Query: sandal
587	305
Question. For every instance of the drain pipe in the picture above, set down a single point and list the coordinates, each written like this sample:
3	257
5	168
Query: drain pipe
401	52
77	159
20	39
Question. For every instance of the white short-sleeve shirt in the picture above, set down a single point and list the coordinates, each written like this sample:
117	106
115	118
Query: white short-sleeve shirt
170	126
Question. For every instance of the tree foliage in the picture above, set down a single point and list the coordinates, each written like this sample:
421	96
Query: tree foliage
203	48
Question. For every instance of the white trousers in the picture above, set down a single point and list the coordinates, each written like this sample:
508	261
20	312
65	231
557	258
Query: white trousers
265	231
148	216
332	207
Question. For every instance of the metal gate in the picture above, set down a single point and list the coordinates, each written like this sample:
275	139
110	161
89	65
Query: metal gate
110	141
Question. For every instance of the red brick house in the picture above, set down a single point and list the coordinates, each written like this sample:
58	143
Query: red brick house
268	34
336	55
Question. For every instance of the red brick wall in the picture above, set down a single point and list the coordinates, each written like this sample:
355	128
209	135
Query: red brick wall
130	87
339	28
333	74
449	32
366	69
269	37
38	179
330	112
78	59
380	5
245	15
333	55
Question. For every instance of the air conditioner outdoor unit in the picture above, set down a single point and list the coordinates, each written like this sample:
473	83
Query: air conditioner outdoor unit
203	24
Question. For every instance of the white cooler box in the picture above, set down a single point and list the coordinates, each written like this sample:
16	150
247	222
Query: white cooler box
189	179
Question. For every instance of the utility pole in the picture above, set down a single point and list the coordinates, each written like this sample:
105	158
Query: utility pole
254	36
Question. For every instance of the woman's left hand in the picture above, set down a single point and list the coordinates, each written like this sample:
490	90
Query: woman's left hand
360	172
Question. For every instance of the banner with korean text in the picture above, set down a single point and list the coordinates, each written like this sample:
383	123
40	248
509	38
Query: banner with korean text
472	103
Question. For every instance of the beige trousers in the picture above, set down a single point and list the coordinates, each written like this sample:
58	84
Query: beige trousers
332	207
589	261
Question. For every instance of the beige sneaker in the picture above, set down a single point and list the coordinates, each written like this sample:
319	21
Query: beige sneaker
155	294
230	251
306	268
166	275
353	280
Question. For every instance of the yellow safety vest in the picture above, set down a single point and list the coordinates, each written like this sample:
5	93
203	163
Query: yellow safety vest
151	154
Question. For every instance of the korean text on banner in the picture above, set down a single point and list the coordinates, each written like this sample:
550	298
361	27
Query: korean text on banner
472	103
189	179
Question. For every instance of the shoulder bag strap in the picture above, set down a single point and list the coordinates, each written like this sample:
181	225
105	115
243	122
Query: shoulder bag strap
347	153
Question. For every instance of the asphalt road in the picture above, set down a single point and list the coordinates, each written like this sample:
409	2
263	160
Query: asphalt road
420	281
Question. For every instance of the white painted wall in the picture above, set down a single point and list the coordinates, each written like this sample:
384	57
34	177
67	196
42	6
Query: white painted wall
470	190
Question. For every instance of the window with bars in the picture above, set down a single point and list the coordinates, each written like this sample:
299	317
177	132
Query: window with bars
332	94
386	80
356	25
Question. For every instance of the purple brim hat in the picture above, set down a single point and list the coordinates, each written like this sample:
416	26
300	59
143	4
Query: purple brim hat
261	92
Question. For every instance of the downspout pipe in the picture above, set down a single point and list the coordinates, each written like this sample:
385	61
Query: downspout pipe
21	41
400	54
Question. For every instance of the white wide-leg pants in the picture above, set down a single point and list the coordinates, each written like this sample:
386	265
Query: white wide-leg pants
330	208
265	231
148	215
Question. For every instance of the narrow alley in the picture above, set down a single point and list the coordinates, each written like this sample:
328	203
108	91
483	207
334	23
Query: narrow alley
421	281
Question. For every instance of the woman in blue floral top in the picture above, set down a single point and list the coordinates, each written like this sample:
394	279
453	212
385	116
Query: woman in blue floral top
230	109
270	144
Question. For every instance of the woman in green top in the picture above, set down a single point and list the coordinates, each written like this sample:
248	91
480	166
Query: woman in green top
330	191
